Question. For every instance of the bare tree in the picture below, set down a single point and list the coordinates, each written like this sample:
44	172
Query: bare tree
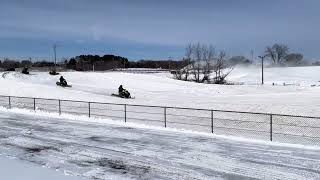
208	58
221	68
179	71
218	66
182	73
197	61
201	61
277	53
187	68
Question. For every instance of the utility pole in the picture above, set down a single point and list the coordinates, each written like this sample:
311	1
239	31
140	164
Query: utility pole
262	73
55	55
170	59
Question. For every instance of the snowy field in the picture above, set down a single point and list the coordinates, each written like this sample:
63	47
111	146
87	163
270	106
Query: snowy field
110	150
103	149
298	97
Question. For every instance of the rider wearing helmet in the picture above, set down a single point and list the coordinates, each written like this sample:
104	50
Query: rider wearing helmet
63	81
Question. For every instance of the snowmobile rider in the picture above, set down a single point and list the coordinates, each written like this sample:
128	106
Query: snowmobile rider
120	89
123	92
63	81
25	70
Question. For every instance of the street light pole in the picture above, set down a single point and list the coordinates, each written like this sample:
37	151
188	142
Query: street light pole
262	73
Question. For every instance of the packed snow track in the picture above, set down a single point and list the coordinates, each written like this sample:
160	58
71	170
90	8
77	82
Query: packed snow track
107	151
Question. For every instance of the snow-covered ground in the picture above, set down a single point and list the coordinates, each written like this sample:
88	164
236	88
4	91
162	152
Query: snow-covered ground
14	169
103	149
109	150
297	97
298	76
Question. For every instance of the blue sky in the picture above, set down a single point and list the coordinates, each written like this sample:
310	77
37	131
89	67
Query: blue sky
154	29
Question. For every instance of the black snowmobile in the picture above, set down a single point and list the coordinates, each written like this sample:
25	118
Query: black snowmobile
123	93
63	82
53	72
25	70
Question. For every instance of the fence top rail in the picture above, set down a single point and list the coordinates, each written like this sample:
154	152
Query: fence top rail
168	107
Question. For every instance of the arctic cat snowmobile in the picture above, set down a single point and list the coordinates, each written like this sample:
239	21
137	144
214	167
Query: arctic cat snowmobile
63	84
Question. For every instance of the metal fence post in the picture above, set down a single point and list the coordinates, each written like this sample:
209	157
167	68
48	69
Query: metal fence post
211	121
34	104
125	113
59	107
165	117
9	102
89	105
270	127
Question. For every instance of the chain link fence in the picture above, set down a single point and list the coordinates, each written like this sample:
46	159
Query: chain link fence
262	126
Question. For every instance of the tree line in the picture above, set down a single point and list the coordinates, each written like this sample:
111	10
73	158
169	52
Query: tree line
85	62
114	62
78	62
9	64
199	62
